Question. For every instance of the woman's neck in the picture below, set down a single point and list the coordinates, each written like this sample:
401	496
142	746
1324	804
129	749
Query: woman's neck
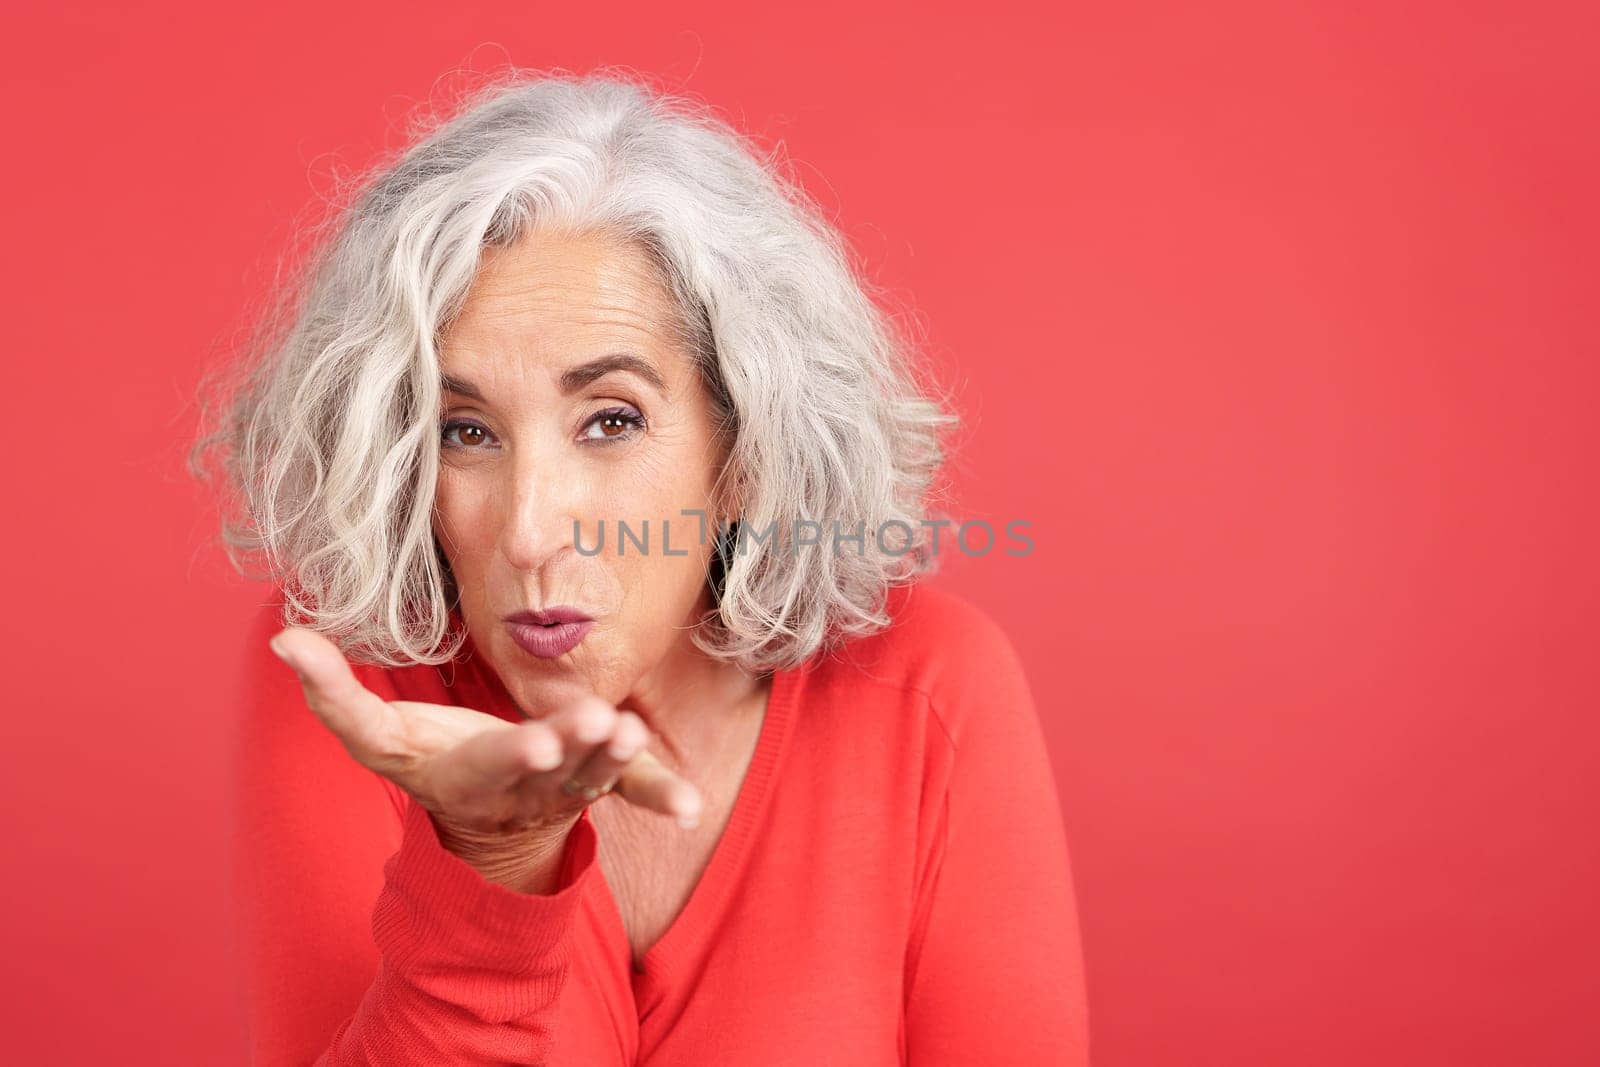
691	700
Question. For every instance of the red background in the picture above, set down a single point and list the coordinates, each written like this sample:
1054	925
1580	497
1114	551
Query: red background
1275	320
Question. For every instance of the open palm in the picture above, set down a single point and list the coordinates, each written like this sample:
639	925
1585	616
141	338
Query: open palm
477	773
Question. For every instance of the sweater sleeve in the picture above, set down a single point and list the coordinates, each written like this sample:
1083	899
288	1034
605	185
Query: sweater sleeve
994	970
363	940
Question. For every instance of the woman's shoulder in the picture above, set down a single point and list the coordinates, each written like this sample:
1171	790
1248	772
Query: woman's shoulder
945	647
931	624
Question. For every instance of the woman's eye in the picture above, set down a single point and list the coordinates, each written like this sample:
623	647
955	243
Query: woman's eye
613	424
472	435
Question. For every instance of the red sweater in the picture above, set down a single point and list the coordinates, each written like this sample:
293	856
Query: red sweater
892	887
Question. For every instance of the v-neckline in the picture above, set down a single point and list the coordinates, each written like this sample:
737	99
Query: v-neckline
706	900
663	958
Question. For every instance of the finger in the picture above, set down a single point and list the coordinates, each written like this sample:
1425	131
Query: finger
583	725
648	783
364	722
606	761
499	757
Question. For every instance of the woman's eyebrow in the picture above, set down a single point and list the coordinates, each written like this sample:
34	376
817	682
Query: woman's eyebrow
574	378
461	387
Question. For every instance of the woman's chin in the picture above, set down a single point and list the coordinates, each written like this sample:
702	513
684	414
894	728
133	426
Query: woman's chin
540	687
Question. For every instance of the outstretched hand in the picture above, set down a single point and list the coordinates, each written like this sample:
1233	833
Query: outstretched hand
494	788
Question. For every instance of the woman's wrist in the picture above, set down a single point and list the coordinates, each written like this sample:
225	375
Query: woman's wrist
526	860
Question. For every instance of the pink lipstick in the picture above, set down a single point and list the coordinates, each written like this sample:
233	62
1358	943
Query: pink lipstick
549	633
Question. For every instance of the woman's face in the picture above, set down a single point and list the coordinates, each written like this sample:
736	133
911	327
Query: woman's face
587	411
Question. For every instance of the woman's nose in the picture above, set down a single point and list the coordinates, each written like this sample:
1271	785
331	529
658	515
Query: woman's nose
538	518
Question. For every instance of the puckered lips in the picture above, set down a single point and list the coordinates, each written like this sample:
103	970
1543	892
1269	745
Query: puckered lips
549	633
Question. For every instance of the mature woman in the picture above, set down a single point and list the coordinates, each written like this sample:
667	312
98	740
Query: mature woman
595	488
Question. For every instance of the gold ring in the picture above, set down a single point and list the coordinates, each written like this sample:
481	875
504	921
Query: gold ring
574	788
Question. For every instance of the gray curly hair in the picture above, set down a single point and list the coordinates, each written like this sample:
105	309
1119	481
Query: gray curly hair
329	423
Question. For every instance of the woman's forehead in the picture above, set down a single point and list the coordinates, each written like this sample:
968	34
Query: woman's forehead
557	270
573	291
554	307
